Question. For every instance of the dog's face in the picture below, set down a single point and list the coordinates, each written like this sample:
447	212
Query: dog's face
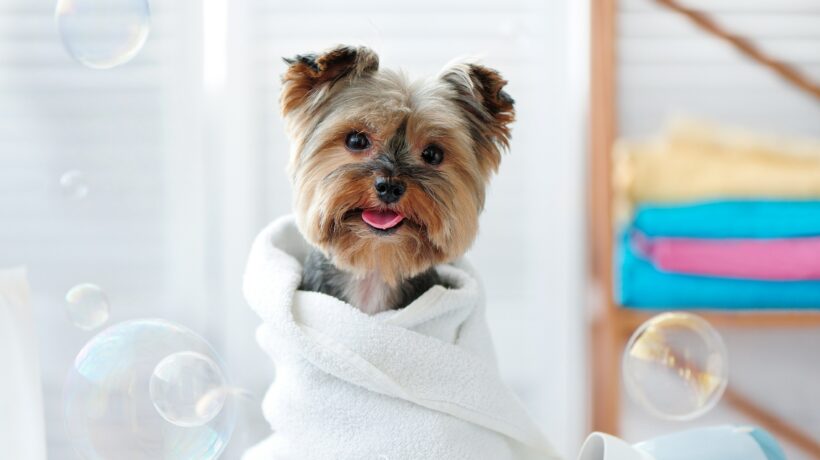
390	175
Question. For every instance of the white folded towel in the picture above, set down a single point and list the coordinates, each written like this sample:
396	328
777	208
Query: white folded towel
416	383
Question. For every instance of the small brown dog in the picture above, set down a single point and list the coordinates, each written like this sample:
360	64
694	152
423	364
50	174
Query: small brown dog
389	175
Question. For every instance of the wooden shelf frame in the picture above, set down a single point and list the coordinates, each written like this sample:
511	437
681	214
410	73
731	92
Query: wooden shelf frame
610	324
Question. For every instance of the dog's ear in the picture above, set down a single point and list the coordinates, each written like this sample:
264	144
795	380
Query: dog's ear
309	76
488	109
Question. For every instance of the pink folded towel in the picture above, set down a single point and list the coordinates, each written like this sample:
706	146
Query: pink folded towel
789	259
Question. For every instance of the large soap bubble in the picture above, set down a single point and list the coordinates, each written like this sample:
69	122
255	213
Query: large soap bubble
109	411
675	366
102	34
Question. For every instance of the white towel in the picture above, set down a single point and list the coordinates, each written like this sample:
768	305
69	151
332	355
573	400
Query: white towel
22	423
416	383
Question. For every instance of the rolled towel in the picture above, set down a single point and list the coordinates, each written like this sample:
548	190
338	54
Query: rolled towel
725	442
730	219
642	285
791	259
420	382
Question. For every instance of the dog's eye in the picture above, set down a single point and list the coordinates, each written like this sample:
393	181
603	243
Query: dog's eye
432	154
357	141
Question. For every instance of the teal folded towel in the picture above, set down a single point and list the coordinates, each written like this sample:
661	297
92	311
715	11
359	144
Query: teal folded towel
730	219
641	285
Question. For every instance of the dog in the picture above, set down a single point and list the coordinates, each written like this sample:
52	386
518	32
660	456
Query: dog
389	175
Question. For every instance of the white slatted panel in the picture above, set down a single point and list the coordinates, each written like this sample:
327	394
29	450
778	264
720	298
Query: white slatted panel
668	66
56	116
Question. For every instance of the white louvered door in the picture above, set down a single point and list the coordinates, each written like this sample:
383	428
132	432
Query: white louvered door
132	132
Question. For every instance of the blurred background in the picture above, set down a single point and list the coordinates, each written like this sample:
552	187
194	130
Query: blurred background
182	151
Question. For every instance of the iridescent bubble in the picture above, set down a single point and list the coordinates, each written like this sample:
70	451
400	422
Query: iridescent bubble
188	389
102	34
74	185
109	411
675	366
216	398
87	306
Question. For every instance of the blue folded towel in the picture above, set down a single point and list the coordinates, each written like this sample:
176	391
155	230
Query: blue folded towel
730	219
641	285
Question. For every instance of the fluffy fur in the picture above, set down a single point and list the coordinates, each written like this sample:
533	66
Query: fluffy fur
463	111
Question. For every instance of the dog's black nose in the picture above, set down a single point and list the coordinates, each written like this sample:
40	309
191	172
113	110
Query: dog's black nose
389	190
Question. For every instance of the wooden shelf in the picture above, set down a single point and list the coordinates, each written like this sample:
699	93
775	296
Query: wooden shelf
631	318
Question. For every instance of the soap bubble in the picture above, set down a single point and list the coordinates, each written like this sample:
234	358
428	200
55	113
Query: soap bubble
73	185
102	34
188	389
109	411
675	366
87	306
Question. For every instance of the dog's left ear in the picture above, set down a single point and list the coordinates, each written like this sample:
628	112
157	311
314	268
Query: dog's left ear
489	110
310	76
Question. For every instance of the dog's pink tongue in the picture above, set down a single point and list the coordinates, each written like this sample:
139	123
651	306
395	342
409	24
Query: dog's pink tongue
381	219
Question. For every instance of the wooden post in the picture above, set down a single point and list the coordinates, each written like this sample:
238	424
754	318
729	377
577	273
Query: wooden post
605	333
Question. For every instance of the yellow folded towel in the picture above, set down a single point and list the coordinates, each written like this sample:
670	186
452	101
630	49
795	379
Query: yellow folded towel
698	161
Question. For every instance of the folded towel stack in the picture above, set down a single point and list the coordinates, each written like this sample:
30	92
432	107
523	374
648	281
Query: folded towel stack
717	218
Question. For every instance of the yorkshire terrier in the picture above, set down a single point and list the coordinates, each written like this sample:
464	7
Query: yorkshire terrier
389	175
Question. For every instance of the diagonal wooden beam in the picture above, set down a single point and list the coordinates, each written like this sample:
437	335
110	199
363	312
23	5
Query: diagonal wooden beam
746	47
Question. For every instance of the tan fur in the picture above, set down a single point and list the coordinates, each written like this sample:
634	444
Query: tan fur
463	110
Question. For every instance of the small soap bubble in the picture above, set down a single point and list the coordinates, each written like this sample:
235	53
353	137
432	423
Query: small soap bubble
188	389
74	185
110	412
87	306
102	34
675	366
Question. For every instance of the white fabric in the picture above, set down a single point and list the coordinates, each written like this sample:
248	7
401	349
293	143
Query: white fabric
416	383
22	424
602	446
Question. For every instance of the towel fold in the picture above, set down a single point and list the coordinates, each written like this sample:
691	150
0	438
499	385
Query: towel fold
792	259
642	285
730	219
691	162
420	382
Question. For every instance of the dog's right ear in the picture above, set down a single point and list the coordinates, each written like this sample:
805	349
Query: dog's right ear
310	76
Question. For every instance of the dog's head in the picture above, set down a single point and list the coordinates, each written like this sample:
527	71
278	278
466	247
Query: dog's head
389	175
